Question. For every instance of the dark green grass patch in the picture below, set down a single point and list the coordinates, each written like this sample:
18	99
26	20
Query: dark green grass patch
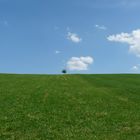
69	107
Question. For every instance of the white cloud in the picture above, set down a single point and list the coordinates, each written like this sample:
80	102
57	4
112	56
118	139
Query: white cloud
57	52
135	68
101	27
73	37
79	63
132	39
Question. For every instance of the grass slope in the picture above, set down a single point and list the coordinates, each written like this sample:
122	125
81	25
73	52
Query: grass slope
69	107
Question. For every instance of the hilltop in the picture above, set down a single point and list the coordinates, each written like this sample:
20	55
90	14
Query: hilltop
69	107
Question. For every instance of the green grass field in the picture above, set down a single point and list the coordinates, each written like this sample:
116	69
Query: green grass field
69	107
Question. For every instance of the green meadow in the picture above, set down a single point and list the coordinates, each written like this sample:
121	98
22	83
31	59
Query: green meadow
70	107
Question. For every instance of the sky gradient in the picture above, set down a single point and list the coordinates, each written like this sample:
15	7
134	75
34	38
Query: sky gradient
83	36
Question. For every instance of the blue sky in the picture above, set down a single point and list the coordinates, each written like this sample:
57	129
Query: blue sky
83	36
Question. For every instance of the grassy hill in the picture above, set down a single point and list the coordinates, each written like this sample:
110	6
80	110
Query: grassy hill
69	107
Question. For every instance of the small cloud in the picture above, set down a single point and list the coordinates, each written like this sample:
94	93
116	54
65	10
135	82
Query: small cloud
100	27
132	39
57	52
135	68
74	37
79	63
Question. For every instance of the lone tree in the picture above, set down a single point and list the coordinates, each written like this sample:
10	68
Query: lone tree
64	71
